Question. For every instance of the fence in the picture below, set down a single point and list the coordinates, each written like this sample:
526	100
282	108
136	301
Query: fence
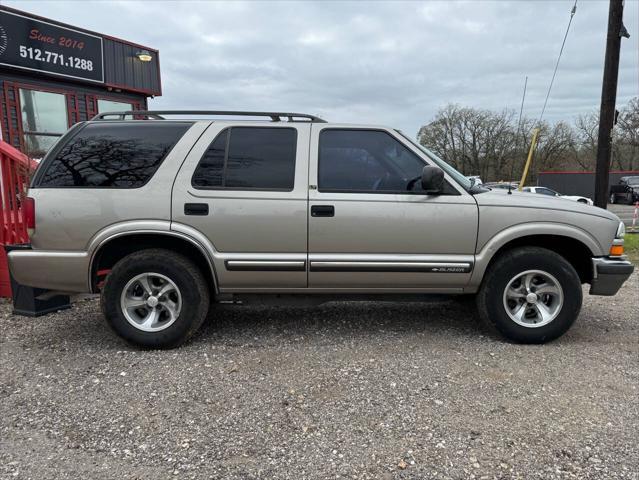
578	183
15	168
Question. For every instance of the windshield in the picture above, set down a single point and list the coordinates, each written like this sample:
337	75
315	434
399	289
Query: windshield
464	181
634	181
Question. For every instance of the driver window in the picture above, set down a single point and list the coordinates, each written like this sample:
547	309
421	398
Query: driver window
365	161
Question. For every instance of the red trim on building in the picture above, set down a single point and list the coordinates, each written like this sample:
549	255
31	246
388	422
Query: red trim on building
12	105
159	75
582	172
73	111
91	102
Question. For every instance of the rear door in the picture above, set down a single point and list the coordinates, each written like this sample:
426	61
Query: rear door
245	188
370	226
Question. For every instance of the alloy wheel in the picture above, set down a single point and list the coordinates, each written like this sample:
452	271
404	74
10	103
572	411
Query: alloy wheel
533	298
151	302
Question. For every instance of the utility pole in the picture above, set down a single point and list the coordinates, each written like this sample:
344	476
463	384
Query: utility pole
608	98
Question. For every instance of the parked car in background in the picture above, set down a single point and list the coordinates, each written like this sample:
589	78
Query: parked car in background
501	185
626	191
165	218
552	193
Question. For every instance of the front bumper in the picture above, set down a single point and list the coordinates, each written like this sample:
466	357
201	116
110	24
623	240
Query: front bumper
608	275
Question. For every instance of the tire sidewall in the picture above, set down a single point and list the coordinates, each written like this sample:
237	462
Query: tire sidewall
190	290
548	262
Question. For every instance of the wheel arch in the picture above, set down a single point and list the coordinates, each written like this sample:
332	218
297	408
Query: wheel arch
575	245
115	247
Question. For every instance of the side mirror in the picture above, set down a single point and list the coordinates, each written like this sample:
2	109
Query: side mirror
432	179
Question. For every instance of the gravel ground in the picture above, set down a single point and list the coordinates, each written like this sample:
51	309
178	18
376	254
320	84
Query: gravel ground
345	390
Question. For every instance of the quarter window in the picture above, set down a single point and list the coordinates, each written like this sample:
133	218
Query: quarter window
116	155
246	158
366	161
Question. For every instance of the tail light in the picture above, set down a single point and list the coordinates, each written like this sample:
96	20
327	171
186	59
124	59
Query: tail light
28	209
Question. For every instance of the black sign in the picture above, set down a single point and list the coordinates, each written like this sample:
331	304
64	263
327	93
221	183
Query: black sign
32	44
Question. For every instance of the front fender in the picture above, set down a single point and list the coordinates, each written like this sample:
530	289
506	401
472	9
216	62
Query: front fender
490	248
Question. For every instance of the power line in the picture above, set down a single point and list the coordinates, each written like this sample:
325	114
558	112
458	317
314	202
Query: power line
572	14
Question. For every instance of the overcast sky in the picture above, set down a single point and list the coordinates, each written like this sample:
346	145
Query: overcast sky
392	63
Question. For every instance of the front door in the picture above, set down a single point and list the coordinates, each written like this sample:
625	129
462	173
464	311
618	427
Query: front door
370	226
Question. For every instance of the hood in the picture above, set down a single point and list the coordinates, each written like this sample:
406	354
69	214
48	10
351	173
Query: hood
501	198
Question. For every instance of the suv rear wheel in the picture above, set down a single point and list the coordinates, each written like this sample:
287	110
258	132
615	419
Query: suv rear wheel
155	298
530	295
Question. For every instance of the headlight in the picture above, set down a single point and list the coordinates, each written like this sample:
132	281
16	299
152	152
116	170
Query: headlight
621	230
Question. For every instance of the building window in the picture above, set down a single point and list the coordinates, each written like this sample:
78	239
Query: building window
112	106
44	120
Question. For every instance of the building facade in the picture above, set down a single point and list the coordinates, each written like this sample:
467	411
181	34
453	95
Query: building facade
53	75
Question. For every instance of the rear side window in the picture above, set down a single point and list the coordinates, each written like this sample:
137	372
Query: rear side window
249	158
113	155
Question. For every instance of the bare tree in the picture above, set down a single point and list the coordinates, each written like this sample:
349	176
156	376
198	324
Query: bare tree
586	131
477	142
492	145
626	137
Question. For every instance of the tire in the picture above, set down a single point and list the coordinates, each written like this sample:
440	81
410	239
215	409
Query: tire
613	197
550	315
162	321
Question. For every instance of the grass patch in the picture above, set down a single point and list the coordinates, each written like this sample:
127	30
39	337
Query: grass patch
631	246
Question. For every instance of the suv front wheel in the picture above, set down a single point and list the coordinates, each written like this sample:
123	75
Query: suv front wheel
530	295
155	298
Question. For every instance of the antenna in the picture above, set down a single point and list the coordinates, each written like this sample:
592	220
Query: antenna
537	131
561	51
521	111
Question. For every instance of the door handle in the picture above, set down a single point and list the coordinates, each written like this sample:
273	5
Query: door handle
322	211
196	209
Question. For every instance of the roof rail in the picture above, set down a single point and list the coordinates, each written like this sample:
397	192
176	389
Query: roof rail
157	115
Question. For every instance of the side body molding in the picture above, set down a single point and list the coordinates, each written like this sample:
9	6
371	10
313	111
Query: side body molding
483	257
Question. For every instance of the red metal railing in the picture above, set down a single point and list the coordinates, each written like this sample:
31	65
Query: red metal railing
15	168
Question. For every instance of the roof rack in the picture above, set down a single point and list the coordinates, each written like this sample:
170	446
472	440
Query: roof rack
157	115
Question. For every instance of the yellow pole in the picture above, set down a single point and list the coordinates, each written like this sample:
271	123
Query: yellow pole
533	144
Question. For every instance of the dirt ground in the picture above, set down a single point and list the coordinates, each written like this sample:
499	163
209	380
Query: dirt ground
345	390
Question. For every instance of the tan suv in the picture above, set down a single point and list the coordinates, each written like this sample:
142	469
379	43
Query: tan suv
167	217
